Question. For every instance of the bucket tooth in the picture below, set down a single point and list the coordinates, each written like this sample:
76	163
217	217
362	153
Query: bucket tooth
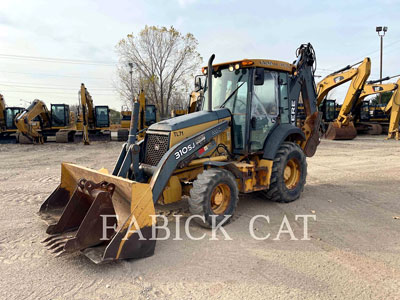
57	244
54	241
58	250
49	238
61	253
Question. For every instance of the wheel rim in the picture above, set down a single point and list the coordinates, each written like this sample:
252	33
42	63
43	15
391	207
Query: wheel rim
292	173
220	198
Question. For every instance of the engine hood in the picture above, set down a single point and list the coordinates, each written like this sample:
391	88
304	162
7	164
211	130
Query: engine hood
190	120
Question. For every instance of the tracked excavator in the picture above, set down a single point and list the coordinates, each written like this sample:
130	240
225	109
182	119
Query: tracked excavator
8	129
36	123
365	123
244	139
342	128
93	121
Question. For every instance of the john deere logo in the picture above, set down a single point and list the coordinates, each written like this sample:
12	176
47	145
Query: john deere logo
156	147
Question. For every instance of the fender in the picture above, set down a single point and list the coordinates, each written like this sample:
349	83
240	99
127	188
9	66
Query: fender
278	136
230	166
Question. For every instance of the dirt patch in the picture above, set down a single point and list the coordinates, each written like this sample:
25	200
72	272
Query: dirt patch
352	188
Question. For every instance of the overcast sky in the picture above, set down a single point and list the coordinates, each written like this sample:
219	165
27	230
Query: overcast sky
80	35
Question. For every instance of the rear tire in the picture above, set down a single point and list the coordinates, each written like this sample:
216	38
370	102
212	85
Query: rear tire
214	192
289	173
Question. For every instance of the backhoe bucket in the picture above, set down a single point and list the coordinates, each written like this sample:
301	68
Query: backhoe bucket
104	216
334	132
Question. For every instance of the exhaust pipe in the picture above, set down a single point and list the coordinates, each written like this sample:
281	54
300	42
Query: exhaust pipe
209	77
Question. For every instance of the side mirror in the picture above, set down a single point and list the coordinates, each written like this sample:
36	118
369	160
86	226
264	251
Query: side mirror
198	84
259	76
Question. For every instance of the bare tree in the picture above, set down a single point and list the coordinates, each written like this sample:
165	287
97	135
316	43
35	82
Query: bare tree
164	62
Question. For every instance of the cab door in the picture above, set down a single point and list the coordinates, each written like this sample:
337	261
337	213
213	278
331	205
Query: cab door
264	109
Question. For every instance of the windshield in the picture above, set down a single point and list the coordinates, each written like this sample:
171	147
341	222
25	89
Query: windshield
229	90
150	115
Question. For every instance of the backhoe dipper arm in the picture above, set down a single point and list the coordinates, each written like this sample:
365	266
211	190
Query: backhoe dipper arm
303	82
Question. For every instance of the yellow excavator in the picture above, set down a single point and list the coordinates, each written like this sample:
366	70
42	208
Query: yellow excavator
342	128
363	121
244	139
36	123
147	117
93	121
8	129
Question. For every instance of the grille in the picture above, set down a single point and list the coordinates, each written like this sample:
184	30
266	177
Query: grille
156	147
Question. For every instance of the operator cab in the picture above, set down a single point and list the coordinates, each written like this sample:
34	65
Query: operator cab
256	94
150	114
59	115
10	114
102	116
328	108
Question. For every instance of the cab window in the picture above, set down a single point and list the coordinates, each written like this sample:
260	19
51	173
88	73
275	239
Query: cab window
264	110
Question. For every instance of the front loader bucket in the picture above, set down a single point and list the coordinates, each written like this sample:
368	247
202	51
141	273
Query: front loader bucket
104	216
334	132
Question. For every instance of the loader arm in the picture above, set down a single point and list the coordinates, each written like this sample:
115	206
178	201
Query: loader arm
23	121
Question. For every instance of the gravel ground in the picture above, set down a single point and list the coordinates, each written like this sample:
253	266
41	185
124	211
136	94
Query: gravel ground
352	188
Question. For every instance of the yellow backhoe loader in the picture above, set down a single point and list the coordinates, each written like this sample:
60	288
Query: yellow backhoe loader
147	117
36	123
244	139
93	121
342	128
8	129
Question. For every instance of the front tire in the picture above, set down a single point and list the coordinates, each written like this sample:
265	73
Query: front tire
289	173
214	192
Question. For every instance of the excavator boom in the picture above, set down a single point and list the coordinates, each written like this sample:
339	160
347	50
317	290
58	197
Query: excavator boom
94	121
343	128
29	131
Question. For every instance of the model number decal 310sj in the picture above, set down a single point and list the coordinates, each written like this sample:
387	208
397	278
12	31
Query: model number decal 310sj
184	150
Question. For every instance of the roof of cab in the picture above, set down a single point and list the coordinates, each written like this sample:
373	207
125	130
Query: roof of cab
263	63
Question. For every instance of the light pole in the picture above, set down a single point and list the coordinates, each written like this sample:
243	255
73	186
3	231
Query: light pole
381	30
